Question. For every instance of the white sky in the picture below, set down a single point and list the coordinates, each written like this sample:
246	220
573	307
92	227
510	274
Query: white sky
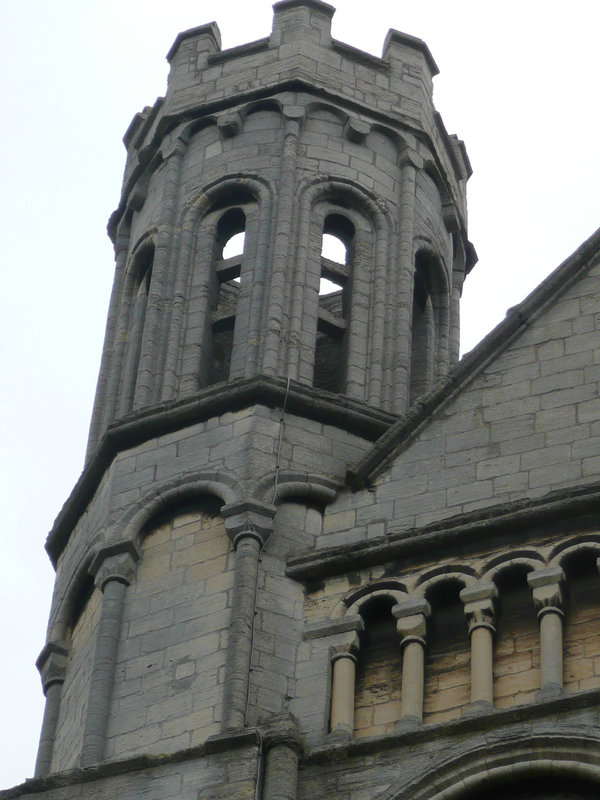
518	82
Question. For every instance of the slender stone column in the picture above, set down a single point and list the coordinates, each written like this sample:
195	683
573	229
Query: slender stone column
276	300
343	687
282	744
479	611
109	381
52	665
411	616
547	598
113	569
248	524
403	287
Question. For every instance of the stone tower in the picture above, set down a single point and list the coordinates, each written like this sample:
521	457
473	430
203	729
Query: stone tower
279	575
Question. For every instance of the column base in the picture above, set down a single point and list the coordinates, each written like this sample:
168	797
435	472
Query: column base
479	707
408	723
550	692
340	735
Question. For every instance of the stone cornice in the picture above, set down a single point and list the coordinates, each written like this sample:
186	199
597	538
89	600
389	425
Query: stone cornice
566	509
108	769
137	428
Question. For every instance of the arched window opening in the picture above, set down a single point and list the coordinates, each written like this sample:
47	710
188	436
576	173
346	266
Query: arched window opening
379	673
517	650
234	247
229	244
582	610
141	276
334	251
338	235
422	365
538	787
447	659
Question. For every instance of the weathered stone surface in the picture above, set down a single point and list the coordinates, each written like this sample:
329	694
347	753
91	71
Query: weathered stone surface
287	490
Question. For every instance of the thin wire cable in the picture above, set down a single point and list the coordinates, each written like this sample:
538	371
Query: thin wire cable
281	425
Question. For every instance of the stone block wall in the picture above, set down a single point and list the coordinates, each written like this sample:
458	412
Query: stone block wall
525	426
168	689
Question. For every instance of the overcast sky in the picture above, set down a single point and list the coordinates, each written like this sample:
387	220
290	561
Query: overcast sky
518	82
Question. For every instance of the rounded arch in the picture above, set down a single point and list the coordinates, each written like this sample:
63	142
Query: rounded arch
482	767
449	573
432	263
430	168
346	192
527	559
217	192
337	360
399	142
194	127
316	106
301	485
131	524
589	541
353	602
65	611
268	104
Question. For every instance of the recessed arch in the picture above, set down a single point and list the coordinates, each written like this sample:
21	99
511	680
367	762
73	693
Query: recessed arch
528	559
481	767
391	588
65	611
460	573
187	488
343	317
590	541
289	484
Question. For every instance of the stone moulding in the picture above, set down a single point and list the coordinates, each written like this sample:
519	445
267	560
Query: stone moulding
137	428
563	510
73	777
482	724
403	432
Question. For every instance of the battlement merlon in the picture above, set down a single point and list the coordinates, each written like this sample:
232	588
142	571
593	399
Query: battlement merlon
299	55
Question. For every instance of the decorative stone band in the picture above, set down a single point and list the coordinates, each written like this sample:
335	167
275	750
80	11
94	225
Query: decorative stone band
479	601
52	665
411	616
547	598
113	568
248	524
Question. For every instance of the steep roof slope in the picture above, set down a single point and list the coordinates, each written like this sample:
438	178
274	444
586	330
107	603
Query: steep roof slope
518	418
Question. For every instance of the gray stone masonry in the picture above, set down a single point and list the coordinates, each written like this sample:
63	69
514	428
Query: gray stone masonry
311	554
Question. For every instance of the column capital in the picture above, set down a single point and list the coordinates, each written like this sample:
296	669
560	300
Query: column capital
114	562
356	130
52	663
547	591
248	518
410	158
411	619
348	649
282	730
479	601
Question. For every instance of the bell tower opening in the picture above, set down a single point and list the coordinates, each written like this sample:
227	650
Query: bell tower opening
336	255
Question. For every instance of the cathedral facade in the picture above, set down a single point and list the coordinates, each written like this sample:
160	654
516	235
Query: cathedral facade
312	553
